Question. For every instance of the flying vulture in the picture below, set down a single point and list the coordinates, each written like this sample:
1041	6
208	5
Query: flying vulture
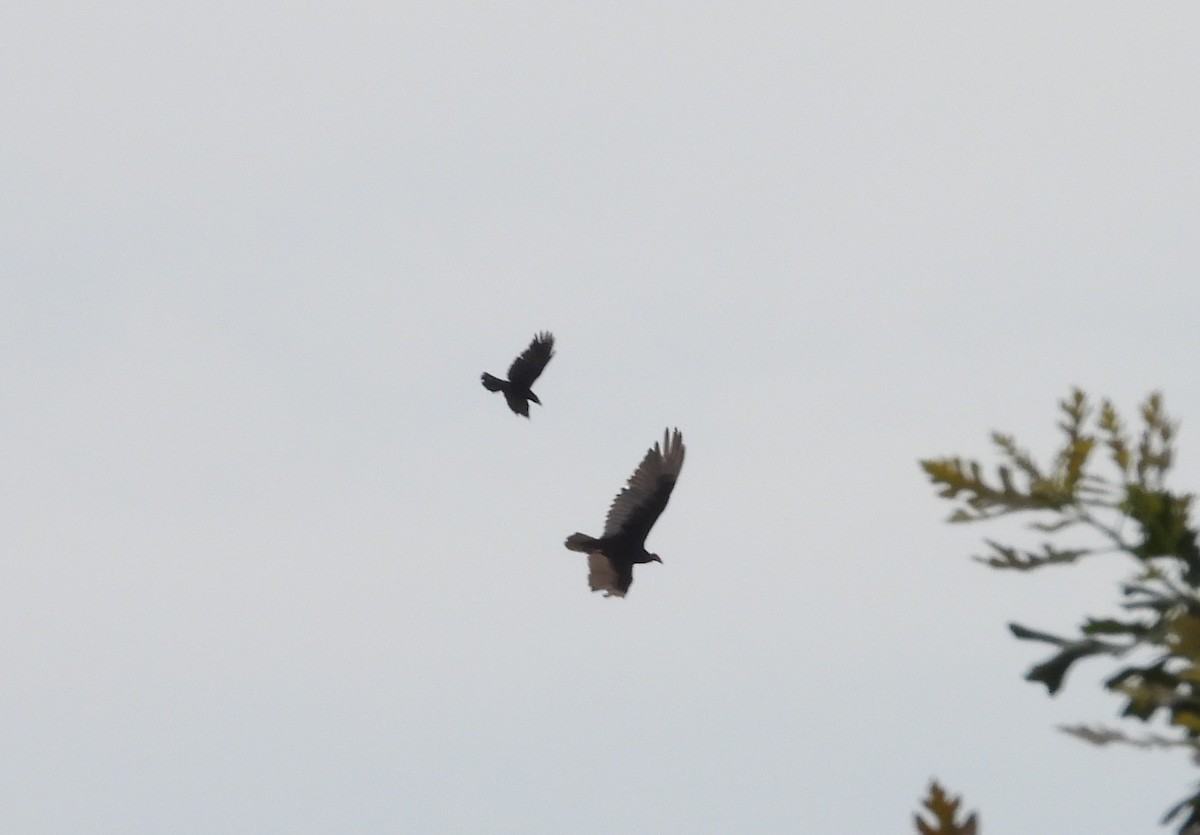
521	374
635	509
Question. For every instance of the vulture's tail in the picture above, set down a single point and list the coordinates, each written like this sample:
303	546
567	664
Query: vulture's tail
492	383
581	542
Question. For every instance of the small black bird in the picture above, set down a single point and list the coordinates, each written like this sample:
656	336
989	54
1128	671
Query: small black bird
633	513
521	374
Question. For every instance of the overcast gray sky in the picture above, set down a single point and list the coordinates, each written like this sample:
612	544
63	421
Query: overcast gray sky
272	561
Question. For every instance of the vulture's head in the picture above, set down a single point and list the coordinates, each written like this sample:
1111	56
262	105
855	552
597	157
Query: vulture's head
655	558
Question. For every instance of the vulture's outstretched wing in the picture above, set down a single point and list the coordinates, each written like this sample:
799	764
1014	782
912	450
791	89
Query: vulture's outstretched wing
528	367
613	580
638	505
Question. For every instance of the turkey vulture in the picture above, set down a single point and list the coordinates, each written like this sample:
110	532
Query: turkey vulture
635	509
521	374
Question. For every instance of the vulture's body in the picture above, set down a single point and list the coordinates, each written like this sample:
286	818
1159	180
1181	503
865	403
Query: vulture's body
634	511
517	389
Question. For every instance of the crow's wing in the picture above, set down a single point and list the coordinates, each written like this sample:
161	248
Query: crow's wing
517	402
603	575
528	367
638	505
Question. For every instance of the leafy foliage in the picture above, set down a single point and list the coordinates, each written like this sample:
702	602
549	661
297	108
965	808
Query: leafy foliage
1110	736
1125	507
945	813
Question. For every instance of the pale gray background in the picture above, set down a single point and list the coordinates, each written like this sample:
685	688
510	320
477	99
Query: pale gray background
274	562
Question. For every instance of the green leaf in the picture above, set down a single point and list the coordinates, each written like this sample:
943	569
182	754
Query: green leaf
1115	438
1186	714
1054	527
1019	457
1155	453
1146	688
1163	519
1052	671
1110	626
1183	636
1006	557
1079	444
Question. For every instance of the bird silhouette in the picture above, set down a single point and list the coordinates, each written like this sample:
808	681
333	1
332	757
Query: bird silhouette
522	373
634	511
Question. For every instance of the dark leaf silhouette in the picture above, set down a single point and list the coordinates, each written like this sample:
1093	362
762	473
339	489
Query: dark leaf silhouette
1052	671
635	509
945	811
522	374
